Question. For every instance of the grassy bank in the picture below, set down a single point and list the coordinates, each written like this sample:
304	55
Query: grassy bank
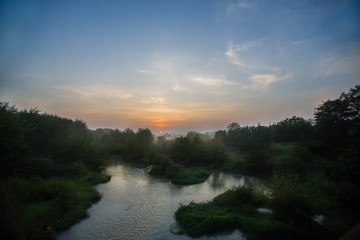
188	177
180	175
237	209
37	208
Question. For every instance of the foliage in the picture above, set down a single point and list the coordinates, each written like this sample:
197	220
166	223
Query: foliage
195	152
48	163
134	147
257	160
162	164
299	199
235	196
37	205
292	129
220	135
237	208
247	137
12	140
224	212
187	177
48	166
291	199
297	158
339	118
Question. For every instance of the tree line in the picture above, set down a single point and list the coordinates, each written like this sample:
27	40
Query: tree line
48	163
313	168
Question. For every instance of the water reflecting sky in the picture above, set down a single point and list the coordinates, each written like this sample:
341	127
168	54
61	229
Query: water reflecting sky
136	205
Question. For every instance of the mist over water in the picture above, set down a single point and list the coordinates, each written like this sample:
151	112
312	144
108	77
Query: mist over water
136	205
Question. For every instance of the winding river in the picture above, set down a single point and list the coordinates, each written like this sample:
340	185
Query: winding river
136	205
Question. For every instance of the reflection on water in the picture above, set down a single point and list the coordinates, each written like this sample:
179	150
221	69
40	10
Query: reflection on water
136	205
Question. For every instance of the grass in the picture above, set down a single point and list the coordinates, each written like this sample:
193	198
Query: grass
188	177
180	175
237	208
62	203
38	208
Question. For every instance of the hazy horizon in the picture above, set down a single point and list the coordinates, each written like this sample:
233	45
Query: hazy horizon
177	66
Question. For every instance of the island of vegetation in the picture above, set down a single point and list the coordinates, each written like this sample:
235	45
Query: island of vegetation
49	165
314	171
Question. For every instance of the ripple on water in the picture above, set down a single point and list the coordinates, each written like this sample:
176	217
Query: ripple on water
136	205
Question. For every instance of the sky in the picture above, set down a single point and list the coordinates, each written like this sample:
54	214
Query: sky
177	66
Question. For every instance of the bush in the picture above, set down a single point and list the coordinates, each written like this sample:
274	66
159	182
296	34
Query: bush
297	158
291	198
257	160
187	177
235	196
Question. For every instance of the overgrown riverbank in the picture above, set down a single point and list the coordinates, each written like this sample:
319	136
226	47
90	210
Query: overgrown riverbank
253	214
48	163
49	166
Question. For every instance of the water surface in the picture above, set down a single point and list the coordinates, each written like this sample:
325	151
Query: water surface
136	205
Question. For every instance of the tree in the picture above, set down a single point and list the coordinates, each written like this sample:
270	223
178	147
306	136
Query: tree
291	198
13	144
145	136
233	133
220	135
161	140
291	129
339	118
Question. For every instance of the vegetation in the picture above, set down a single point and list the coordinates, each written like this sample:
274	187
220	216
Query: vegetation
187	177
48	165
314	170
238	208
178	160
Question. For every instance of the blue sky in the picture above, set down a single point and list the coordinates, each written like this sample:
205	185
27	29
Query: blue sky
175	66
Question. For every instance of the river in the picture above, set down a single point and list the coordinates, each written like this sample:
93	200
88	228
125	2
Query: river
136	205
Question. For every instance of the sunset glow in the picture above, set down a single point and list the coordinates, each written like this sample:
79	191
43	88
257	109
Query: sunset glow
114	66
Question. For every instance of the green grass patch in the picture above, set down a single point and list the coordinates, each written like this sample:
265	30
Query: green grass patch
237	209
38	208
157	170
63	203
188	177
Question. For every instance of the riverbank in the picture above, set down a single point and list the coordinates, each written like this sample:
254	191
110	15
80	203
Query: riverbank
240	208
137	205
185	176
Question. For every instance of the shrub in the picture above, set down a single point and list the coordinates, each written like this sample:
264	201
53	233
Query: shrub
235	196
257	160
291	198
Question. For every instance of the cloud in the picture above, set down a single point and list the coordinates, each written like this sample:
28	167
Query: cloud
262	81
233	8
233	52
343	65
146	71
212	81
178	88
154	100
97	91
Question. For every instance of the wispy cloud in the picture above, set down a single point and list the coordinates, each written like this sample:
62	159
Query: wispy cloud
212	81
146	71
262	81
233	52
336	64
154	100
178	88
98	91
234	8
